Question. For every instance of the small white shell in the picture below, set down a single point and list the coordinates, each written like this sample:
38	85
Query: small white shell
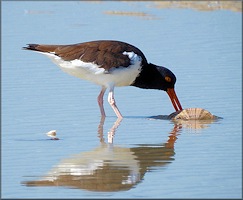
192	114
52	134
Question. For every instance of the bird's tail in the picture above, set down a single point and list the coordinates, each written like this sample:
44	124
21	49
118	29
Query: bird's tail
40	47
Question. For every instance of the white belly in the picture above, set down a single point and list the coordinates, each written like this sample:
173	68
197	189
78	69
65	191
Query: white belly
122	76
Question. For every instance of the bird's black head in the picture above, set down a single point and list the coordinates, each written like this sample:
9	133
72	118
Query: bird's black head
167	80
160	78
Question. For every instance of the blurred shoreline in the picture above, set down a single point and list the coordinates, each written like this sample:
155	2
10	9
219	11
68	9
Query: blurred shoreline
201	5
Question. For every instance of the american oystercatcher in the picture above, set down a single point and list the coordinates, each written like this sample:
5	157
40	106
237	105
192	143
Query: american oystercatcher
110	64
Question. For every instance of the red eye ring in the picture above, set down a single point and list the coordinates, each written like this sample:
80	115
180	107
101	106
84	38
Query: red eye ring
168	79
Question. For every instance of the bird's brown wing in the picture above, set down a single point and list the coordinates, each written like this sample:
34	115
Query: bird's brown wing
106	54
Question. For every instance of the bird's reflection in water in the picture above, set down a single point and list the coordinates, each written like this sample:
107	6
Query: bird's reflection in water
109	167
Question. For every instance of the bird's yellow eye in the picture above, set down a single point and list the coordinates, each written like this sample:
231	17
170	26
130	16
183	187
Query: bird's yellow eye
168	79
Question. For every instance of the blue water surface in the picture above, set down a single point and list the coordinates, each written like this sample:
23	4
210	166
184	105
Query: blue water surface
148	158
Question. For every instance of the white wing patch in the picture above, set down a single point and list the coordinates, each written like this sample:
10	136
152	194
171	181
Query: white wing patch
133	57
119	76
91	67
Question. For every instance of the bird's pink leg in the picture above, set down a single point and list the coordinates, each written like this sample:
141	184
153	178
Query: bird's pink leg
112	102
100	101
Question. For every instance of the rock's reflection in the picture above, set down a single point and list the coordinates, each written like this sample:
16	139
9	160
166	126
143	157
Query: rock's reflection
189	124
194	124
109	167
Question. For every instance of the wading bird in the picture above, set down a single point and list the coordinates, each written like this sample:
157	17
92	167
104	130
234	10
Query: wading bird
110	64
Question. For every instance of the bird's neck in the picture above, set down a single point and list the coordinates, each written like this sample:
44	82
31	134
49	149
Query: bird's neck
149	78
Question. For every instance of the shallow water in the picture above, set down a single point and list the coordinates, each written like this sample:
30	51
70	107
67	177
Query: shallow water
140	156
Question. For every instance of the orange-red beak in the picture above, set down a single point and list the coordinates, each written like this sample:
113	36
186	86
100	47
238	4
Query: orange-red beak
174	100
